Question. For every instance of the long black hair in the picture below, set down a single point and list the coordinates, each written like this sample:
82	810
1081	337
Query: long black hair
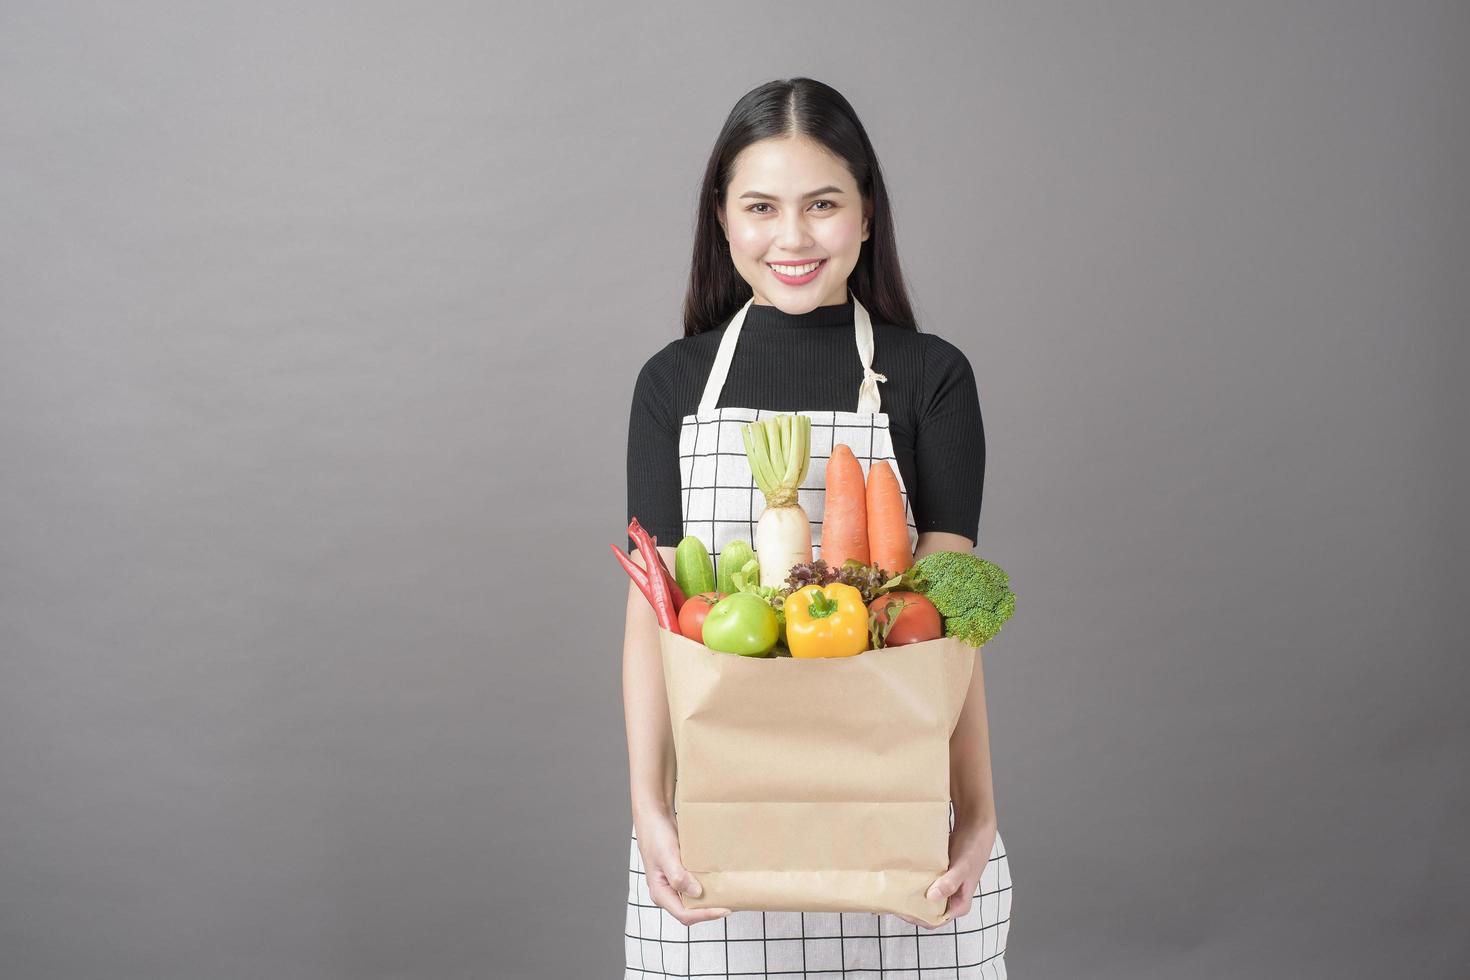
784	108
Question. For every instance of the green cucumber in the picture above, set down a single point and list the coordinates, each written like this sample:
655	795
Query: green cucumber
732	560
693	569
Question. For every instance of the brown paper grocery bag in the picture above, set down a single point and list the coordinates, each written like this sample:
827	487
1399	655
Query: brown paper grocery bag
815	784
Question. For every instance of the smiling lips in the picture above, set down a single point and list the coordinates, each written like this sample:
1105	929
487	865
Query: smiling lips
798	274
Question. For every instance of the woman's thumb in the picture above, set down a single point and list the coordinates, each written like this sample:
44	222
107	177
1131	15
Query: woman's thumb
943	887
686	883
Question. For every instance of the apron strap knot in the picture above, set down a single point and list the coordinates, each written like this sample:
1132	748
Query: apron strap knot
868	398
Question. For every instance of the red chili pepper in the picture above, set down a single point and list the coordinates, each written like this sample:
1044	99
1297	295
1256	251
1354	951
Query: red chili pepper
658	587
674	591
640	578
635	572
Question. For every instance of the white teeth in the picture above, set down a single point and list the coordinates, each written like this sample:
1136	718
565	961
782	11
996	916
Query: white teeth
795	270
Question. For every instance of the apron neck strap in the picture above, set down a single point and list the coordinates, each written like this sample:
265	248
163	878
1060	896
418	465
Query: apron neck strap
868	402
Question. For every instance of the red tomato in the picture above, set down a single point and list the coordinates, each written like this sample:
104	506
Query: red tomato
918	621
692	613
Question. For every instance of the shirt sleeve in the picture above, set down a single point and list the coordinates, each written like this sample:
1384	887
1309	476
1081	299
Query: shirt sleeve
949	444
653	459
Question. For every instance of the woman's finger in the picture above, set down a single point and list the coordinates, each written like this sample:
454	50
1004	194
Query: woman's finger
916	922
667	860
945	885
684	882
666	898
960	901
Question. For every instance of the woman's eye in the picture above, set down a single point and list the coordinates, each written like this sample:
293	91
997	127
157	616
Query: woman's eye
764	205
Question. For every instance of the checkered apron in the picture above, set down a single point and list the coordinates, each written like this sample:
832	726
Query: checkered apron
722	503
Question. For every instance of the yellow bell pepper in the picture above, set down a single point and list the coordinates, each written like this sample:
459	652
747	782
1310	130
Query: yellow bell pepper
826	621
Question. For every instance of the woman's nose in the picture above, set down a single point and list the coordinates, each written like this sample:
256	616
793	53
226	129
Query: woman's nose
793	233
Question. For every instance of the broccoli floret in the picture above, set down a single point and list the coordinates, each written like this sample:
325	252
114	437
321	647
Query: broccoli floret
972	594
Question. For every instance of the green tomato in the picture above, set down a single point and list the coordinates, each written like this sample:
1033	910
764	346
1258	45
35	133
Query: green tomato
741	623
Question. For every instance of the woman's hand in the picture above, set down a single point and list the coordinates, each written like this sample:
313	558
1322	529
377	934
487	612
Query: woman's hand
658	842
970	844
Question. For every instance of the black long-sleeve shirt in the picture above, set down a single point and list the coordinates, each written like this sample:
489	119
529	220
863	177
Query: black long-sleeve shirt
792	362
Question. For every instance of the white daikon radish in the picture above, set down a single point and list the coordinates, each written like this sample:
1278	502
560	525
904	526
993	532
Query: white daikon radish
778	450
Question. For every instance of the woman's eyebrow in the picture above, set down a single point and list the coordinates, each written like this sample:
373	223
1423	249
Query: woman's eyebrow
829	189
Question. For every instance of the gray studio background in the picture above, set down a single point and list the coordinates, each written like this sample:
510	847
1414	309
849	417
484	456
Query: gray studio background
320	325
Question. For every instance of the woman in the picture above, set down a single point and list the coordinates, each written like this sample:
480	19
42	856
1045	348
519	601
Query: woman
795	254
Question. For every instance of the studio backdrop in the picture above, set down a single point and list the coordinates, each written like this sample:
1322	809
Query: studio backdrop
319	325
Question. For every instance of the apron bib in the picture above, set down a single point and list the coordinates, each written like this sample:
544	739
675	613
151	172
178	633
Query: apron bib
722	503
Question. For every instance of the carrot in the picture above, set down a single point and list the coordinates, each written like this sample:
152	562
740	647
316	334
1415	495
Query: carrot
845	512
888	530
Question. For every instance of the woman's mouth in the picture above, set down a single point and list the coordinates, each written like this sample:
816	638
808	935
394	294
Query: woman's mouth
796	275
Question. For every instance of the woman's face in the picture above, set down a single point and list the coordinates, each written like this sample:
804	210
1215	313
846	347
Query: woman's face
791	203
